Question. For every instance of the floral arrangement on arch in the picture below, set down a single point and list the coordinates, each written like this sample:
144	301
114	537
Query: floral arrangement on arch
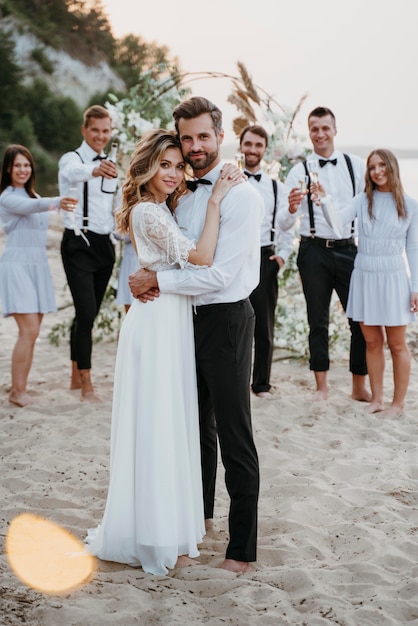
255	106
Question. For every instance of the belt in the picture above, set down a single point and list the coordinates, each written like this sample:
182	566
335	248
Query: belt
329	243
267	249
220	306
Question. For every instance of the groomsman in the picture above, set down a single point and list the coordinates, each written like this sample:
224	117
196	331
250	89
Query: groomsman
325	263
276	246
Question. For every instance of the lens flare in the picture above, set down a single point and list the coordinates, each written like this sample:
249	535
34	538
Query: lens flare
45	556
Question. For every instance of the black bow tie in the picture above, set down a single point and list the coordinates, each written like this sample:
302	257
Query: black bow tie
99	158
192	184
256	176
323	162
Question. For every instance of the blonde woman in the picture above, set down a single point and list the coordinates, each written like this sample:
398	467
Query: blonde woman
383	294
154	512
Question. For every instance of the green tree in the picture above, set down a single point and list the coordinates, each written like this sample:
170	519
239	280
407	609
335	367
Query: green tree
56	120
10	82
134	57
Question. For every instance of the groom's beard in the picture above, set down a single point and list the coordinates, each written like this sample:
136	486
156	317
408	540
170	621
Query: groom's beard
200	160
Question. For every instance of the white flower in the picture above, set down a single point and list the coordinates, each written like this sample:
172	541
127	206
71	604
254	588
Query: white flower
295	150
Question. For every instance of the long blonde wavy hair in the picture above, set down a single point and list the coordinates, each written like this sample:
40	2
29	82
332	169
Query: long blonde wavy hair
145	161
394	180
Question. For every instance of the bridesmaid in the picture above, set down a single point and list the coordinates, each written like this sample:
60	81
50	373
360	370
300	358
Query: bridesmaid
26	288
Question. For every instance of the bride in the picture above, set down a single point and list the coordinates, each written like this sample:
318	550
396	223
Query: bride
154	511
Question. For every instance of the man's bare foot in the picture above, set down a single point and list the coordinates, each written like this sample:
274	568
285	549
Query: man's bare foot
235	566
87	391
21	398
375	407
358	389
392	411
185	561
75	376
319	395
361	395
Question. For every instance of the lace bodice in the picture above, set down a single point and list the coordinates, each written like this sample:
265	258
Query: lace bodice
159	240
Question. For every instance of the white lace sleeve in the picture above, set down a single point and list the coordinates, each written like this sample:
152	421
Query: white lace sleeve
158	227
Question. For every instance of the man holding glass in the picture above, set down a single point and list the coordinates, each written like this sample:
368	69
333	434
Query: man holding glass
88	254
325	263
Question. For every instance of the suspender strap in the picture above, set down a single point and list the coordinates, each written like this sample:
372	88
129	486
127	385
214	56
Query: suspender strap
273	230
353	182
310	204
85	201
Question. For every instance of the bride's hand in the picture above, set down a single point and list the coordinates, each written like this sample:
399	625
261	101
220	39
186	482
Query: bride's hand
230	176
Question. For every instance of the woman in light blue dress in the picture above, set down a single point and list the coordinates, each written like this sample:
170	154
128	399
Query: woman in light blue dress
383	292
26	288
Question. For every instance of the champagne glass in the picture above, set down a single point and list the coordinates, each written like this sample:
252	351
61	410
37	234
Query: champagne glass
313	169
303	183
240	161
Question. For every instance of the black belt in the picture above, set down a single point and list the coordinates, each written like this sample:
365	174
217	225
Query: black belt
329	243
70	231
220	306
268	250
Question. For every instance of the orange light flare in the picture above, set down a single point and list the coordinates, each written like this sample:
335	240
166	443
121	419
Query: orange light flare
45	556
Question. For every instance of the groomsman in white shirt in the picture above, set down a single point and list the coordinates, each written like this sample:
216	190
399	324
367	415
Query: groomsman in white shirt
325	262
223	322
253	145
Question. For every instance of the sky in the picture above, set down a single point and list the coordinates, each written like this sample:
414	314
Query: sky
357	57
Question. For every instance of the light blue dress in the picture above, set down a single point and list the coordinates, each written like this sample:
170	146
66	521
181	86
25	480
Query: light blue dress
25	279
386	266
129	264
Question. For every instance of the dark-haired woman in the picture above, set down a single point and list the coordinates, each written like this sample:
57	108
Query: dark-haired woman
26	288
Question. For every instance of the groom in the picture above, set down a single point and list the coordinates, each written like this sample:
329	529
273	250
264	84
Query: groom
223	323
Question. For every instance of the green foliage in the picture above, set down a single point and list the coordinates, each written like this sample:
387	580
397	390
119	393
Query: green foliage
134	57
56	119
38	55
23	132
10	80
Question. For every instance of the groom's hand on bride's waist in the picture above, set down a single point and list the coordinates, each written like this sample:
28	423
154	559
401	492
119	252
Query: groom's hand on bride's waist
144	285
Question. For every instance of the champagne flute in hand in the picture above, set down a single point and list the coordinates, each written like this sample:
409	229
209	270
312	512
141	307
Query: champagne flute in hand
240	161
313	169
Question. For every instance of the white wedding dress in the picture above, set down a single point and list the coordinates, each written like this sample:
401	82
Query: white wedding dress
154	508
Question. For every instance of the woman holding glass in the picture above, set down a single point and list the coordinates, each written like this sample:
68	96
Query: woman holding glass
26	288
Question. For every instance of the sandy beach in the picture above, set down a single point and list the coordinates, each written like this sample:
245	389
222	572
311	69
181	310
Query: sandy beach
338	513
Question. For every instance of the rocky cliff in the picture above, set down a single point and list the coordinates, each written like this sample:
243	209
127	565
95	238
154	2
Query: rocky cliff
69	76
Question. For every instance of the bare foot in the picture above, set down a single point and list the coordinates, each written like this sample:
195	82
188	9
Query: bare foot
375	407
87	391
319	395
185	561
264	394
209	524
392	411
21	398
88	395
362	395
235	566
75	376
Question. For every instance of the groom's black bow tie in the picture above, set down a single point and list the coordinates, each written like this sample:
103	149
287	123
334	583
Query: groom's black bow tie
99	158
192	184
256	176
323	162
